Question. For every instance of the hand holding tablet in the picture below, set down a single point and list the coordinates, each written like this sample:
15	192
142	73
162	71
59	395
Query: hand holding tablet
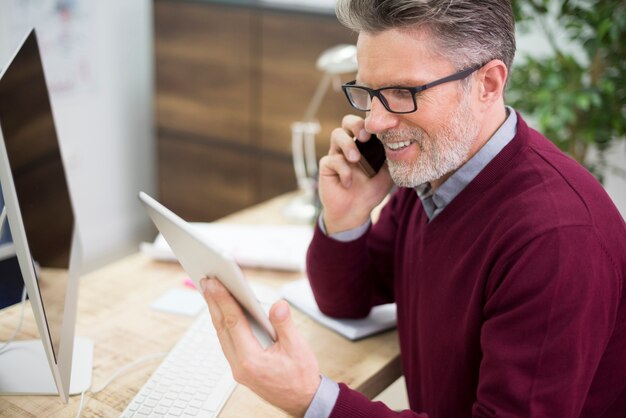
200	259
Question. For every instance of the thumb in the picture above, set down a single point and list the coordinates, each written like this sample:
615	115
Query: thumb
281	319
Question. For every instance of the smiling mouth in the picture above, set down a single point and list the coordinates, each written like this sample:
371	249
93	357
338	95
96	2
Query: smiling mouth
395	146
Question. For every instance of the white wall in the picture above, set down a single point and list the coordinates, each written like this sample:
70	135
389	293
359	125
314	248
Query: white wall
615	185
105	125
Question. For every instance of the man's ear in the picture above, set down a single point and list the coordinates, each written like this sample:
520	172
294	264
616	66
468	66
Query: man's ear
491	82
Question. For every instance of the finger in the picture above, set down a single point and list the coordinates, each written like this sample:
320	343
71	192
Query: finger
217	318
214	310
233	320
336	166
355	125
286	331
342	143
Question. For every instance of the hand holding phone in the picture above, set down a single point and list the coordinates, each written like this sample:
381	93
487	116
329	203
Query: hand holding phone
373	155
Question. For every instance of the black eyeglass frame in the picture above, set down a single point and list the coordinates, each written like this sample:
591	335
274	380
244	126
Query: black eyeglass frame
414	90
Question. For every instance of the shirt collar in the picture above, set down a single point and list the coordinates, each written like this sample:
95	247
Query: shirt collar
435	203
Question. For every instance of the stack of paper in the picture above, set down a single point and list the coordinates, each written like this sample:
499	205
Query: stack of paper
281	247
381	318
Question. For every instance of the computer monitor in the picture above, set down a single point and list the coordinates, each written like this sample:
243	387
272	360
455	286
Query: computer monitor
44	233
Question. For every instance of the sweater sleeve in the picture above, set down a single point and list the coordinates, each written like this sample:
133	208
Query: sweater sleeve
353	404
549	314
349	278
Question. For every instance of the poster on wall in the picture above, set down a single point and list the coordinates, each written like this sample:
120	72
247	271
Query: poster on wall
66	35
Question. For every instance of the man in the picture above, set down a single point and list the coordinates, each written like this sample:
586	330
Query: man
506	259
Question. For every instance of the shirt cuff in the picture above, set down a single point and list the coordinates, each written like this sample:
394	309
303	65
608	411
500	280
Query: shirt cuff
324	400
345	236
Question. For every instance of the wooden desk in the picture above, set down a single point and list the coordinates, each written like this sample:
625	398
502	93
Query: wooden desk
114	310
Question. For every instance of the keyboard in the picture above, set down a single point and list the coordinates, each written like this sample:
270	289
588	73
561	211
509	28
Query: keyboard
194	379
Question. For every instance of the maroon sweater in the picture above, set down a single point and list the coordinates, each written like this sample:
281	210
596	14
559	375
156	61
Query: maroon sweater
511	302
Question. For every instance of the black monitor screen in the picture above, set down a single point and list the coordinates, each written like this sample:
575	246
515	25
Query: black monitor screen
42	192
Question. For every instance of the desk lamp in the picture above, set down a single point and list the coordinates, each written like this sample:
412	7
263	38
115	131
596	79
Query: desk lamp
333	62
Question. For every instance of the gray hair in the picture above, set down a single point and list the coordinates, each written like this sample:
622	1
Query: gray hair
466	32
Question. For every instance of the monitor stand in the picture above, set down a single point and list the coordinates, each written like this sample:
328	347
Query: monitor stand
24	368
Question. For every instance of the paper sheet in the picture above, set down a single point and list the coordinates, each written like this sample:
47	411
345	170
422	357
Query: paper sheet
180	301
281	247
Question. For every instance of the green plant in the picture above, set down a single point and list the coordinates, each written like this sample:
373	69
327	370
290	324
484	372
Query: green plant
577	92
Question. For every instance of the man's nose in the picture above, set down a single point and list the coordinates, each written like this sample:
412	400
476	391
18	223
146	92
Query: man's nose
379	119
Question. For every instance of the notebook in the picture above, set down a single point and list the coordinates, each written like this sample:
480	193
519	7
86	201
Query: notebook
380	319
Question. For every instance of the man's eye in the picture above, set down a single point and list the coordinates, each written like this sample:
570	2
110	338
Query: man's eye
398	94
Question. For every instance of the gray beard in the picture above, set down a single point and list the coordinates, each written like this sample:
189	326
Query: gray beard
440	154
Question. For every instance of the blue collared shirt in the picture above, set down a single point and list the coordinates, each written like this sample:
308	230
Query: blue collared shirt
433	203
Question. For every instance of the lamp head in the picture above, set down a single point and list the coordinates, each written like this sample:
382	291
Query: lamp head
339	59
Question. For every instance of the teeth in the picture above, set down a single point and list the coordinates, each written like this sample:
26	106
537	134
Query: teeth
398	145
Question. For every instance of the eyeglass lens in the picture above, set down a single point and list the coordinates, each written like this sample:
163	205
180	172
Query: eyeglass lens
395	99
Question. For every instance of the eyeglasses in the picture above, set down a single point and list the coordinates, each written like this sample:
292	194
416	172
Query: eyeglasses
395	99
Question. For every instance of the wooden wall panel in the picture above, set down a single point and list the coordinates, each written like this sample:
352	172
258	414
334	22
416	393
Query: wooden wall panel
202	183
290	48
276	177
203	68
230	82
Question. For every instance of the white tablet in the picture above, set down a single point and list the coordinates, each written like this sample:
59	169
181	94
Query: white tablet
200	259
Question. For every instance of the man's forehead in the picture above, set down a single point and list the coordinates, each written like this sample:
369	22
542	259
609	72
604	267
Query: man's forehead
398	57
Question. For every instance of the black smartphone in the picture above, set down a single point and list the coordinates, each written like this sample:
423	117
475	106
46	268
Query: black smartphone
373	153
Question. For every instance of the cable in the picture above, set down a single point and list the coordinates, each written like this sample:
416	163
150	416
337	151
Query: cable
5	345
119	371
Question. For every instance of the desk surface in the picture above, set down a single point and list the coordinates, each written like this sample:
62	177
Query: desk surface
114	310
